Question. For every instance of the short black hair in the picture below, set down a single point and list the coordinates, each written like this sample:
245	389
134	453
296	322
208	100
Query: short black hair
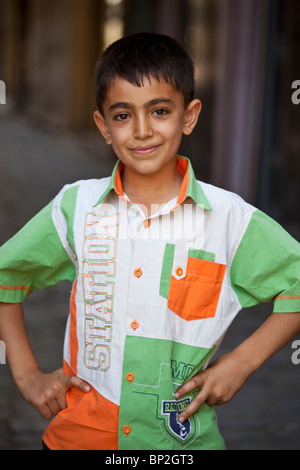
145	55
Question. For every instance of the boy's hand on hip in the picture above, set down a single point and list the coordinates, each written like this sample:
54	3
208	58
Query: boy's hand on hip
223	378
217	385
47	392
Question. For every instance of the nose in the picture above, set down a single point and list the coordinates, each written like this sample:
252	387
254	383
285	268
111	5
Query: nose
142	127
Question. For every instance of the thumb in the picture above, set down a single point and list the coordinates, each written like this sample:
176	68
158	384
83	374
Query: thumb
73	381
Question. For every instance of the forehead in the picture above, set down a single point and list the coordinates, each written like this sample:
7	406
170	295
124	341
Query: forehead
122	91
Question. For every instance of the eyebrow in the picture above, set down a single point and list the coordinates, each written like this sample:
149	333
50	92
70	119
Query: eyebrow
154	102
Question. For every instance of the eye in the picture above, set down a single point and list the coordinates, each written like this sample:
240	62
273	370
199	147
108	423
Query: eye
160	112
121	117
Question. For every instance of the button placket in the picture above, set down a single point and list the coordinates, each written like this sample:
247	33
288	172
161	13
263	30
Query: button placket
136	289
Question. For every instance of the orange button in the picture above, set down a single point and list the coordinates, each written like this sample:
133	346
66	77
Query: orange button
138	272
134	325
127	430
130	377
147	223
179	271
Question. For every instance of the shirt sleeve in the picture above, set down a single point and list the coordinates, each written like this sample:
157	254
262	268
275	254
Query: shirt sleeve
266	266
33	259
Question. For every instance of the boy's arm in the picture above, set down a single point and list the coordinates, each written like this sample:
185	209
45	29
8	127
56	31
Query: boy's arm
224	377
46	392
265	267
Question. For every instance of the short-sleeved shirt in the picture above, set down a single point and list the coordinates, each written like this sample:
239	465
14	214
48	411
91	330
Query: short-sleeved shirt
152	298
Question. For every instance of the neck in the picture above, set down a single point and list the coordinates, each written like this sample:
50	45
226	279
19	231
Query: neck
151	191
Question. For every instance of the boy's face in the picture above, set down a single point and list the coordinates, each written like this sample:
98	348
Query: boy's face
145	124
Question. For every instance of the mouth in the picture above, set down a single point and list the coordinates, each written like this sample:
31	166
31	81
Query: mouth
144	150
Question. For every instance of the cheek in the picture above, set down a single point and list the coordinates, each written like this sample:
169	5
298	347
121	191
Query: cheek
173	127
173	134
119	138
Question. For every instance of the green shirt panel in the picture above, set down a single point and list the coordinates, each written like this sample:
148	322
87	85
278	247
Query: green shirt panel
33	259
267	265
153	369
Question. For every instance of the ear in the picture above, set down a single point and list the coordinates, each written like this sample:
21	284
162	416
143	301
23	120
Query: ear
191	116
102	126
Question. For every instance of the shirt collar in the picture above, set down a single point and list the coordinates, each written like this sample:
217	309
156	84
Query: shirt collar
190	187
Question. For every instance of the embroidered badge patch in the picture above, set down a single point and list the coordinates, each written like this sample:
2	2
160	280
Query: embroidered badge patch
173	409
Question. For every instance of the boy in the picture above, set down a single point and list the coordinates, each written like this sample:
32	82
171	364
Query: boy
160	265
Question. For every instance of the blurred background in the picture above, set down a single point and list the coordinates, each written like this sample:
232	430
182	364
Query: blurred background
246	56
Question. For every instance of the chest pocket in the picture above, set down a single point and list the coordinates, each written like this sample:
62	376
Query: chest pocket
194	290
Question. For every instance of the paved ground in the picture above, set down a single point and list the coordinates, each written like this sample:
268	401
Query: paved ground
34	164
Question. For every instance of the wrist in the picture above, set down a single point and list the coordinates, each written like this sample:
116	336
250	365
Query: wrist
242	363
247	358
23	375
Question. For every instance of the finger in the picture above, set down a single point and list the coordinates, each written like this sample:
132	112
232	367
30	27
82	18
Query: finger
192	384
44	411
41	404
73	381
193	406
61	400
54	407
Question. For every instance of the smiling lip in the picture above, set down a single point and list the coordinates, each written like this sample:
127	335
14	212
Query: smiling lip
144	150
